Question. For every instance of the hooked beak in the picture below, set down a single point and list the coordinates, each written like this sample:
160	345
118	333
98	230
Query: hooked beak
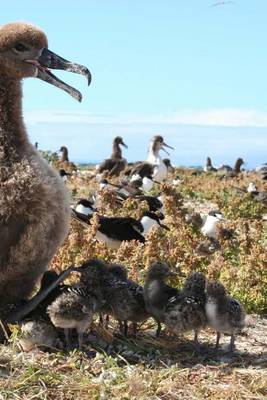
49	60
166	145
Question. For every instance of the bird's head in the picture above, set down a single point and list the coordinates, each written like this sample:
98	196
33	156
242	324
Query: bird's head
119	140
24	53
215	290
168	164
195	281
216	214
159	270
119	271
159	144
157	217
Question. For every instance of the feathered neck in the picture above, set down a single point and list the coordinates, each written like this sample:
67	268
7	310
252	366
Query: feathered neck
65	155
153	154
116	151
238	164
13	136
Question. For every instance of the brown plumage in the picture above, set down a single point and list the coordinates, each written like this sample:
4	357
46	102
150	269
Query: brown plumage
34	205
114	165
64	162
227	171
64	154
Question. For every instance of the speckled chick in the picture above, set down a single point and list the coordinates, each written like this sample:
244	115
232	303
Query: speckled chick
38	334
76	307
124	298
224	313
186	311
157	292
134	293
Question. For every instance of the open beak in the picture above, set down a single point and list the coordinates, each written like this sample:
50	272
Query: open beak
49	60
166	145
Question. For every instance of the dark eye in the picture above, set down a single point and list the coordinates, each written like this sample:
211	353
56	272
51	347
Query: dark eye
20	47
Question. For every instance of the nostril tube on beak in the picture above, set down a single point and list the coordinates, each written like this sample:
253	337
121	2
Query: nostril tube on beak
49	60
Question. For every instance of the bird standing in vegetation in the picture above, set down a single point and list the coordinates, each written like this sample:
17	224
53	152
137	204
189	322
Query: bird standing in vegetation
209	228
116	163
114	230
157	292
209	167
154	165
34	206
124	298
186	311
224	313
76	306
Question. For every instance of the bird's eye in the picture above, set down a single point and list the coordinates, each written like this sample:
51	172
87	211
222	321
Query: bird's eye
20	47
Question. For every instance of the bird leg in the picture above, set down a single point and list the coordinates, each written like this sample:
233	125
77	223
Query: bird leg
125	329
232	343
67	338
107	321
196	339
217	340
80	340
121	327
135	329
158	329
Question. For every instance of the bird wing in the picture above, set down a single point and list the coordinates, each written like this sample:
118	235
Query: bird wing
107	165
121	228
118	166
143	169
154	203
81	217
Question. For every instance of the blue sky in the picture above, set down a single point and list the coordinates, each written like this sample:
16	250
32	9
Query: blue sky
194	73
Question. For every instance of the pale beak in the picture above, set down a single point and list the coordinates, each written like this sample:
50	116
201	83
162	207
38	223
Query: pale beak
49	60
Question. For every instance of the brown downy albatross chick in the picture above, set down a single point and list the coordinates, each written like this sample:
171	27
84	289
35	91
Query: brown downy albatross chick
64	154
64	162
34	206
116	163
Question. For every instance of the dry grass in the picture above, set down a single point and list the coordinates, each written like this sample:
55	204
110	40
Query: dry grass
142	368
168	368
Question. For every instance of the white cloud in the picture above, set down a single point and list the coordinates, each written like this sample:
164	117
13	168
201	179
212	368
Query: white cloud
211	117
